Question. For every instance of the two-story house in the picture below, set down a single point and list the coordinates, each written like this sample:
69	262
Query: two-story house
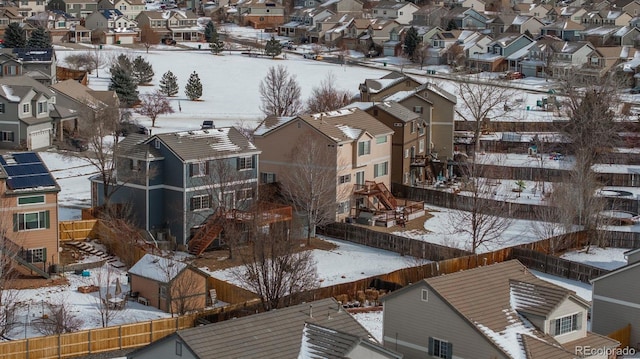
112	27
39	64
616	301
9	15
158	21
428	15
378	89
606	17
564	29
500	52
175	181
28	112
351	7
29	210
260	14
357	146
463	18
31	7
402	11
301	21
496	311
57	22
128	8
183	26
77	8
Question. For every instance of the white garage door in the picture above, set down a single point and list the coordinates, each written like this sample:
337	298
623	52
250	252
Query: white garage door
39	139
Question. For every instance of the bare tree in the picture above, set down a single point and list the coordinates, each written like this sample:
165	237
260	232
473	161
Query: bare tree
153	105
455	56
79	61
280	93
97	59
311	183
326	97
180	285
103	279
549	225
9	298
60	319
274	266
148	37
422	53
482	220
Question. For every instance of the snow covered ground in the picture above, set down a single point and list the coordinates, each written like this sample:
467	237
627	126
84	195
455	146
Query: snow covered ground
605	258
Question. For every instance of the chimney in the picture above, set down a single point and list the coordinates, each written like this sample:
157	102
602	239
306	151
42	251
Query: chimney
311	311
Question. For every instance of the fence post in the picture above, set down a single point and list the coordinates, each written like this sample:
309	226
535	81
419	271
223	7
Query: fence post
89	342
151	331
59	346
120	337
27	348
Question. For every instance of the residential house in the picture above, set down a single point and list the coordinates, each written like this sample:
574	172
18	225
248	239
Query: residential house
523	24
158	21
463	19
301	21
171	179
379	30
402	11
523	317
501	48
377	89
85	101
128	8
456	46
183	26
335	36
538	11
631	7
357	36
429	15
394	46
606	17
566	30
553	57
499	24
260	14
627	36
602	61
616	301
112	27
30	7
39	64
76	8
572	13
357	146
9	15
57	22
169	285
478	5
28	113
318	329
349	7
600	35
29	197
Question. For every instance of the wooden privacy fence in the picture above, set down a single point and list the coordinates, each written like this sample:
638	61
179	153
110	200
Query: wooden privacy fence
94	340
557	266
77	230
623	335
230	293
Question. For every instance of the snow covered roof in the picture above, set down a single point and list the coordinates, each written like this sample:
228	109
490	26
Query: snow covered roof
157	268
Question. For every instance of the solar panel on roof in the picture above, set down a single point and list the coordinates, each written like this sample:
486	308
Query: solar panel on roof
26	170
26	157
42	180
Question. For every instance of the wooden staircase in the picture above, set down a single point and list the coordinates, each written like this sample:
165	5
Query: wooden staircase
207	234
385	197
15	252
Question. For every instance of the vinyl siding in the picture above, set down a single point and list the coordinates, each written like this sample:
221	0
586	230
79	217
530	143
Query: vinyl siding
406	318
568	307
165	350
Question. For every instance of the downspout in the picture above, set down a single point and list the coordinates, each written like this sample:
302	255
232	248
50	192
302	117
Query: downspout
147	165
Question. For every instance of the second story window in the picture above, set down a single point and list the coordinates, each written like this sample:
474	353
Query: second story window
26	108
200	202
245	163
344	179
42	107
381	139
364	148
30	221
566	324
1	108
198	169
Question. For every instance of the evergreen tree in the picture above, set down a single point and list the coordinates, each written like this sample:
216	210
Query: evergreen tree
15	36
124	85
124	62
208	31
142	71
193	89
272	48
169	84
411	41
39	39
215	44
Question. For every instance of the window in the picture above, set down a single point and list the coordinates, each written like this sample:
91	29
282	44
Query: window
424	295
30	221
421	146
61	24
135	165
42	107
343	207
360	177
413	126
36	255
567	324
381	139
163	291
417	109
267	177
25	108
364	148
245	163
1	108
200	202
344	179
6	136
440	348
156	144
199	169
245	194
381	169
406	153
22	201
178	349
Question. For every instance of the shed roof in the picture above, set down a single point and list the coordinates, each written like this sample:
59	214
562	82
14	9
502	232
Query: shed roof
157	268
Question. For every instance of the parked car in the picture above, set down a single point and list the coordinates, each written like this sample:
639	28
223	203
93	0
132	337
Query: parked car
635	90
513	75
77	144
310	55
127	127
207	125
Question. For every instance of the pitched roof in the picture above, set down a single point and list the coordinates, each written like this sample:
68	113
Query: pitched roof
26	172
157	268
273	334
346	125
204	144
398	111
322	342
534	298
26	81
33	54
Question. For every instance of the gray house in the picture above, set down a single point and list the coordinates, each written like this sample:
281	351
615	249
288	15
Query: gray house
175	181
496	311
616	300
320	329
39	64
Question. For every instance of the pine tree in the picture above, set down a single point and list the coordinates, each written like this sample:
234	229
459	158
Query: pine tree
15	36
272	48
208	31
39	39
142	71
124	85
169	84
193	89
215	44
411	42
124	62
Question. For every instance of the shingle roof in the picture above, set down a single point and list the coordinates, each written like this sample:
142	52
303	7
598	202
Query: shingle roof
534	298
275	334
326	343
205	144
157	268
346	125
397	110
536	348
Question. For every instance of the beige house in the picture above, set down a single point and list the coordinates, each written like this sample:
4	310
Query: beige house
29	208
496	311
357	145
168	285
128	8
